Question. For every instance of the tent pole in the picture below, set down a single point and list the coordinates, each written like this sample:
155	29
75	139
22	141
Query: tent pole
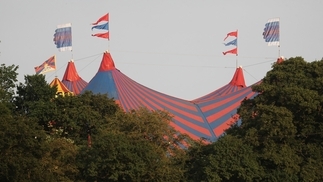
237	51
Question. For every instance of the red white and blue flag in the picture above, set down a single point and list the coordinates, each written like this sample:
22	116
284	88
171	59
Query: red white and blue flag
271	32
233	42
47	66
102	26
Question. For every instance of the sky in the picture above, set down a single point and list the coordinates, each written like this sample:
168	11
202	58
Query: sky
171	46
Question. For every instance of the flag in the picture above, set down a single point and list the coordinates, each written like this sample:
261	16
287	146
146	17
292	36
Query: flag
234	34
102	35
47	66
233	42
103	18
63	37
232	51
271	32
103	26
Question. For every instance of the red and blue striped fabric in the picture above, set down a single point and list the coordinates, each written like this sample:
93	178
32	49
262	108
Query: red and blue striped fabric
271	32
237	83
63	37
207	118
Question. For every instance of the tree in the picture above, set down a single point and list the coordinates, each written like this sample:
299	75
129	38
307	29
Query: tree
59	161
76	117
227	159
22	145
280	135
135	146
8	77
284	122
33	96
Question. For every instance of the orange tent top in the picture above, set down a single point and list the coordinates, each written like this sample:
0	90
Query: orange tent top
61	88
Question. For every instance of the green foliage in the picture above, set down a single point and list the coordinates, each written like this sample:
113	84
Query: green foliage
21	148
8	77
228	159
280	137
284	122
59	161
136	146
75	116
33	98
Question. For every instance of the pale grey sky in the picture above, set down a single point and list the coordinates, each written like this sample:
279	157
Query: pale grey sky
172	46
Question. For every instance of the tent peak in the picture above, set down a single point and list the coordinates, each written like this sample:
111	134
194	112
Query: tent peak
107	62
280	59
238	78
61	88
72	80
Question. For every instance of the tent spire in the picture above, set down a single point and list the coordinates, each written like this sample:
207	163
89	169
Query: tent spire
107	62
238	78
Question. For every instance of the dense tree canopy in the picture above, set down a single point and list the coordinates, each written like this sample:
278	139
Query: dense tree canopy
8	77
85	138
281	132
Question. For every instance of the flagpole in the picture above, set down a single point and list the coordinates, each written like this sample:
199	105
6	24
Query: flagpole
109	33
237	51
279	39
72	43
55	66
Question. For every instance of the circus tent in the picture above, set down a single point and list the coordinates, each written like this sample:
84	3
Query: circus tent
205	117
72	80
61	88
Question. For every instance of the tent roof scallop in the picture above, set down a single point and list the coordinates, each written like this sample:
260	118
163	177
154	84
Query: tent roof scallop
72	80
237	83
207	118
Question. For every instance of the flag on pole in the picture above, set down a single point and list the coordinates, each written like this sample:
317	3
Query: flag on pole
63	37
103	26
232	51
103	18
234	34
233	42
102	35
47	66
271	32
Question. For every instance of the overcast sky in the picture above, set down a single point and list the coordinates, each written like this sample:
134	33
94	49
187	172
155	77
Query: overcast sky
172	46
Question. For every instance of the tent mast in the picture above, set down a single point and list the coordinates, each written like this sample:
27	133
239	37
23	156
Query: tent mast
279	39
237	51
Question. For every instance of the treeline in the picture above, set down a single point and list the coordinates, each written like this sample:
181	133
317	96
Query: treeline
45	137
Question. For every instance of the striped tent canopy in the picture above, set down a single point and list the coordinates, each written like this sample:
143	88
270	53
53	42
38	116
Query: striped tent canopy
61	88
207	118
237	83
220	112
72	80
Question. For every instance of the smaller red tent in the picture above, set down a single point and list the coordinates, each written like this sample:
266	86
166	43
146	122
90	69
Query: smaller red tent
72	80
